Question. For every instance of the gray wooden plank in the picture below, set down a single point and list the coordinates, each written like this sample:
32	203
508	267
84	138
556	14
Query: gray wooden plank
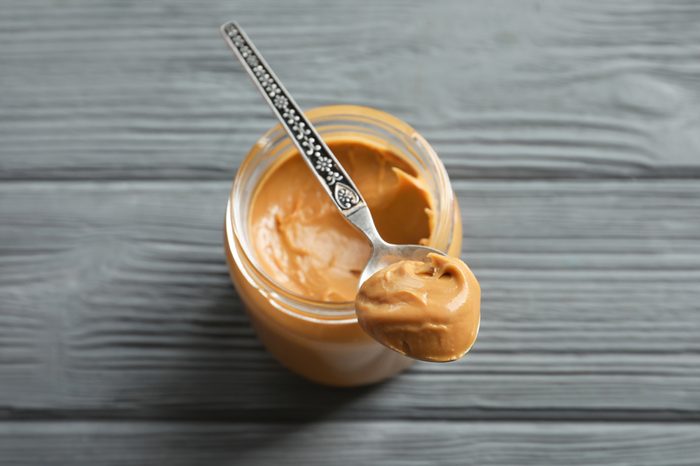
323	443
505	89
115	302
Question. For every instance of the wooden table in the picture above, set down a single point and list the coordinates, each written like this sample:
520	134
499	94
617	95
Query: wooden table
571	132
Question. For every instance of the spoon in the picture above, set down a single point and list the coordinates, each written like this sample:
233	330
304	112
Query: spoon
318	157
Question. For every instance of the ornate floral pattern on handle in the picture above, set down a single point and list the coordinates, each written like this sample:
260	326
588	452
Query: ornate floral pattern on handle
318	156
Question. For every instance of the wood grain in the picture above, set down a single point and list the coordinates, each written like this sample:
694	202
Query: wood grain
590	308
525	89
569	129
376	443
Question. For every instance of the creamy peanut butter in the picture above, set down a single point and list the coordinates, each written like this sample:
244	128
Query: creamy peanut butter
330	347
425	310
304	244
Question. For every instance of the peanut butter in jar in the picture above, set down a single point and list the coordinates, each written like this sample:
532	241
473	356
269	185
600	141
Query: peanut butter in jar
296	262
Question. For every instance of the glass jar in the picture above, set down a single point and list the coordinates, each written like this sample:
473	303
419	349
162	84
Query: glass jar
322	341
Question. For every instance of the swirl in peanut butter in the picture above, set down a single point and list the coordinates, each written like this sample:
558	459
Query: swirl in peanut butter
425	310
305	245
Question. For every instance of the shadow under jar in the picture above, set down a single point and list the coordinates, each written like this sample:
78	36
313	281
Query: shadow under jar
321	339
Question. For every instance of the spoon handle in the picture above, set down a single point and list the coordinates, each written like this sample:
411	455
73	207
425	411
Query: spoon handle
313	150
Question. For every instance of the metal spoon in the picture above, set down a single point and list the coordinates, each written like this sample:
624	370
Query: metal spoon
324	165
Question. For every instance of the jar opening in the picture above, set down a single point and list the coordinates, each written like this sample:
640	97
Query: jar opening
346	122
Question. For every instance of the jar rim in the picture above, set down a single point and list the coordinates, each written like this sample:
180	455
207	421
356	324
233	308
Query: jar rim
444	218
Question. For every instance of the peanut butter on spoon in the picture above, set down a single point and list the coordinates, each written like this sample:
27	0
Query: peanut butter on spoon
425	310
